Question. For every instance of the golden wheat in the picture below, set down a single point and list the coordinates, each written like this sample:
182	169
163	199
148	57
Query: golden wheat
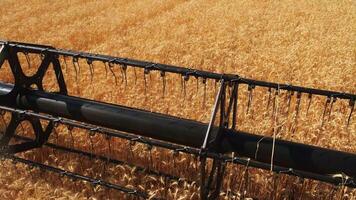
309	43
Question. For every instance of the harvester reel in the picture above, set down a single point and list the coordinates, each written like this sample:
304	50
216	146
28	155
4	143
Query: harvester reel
210	143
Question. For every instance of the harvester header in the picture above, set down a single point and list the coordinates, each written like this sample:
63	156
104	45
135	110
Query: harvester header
214	143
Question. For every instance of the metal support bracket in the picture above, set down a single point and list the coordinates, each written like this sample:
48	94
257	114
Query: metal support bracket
41	135
210	186
8	52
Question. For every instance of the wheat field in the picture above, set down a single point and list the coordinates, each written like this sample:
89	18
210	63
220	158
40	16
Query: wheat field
306	43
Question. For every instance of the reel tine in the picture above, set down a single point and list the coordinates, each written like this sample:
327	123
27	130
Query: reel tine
235	106
92	72
204	93
230	104
27	59
269	100
186	79
163	76
352	107
145	72
299	98
41	56
297	110
310	97
275	124
124	73
181	84
111	66
275	103
197	84
75	60
328	100
250	98
333	100
65	64
150	77
215	85
289	100
56	56
135	75
91	69
106	69
79	69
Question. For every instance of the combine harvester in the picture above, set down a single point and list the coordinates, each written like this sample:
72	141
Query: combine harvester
26	102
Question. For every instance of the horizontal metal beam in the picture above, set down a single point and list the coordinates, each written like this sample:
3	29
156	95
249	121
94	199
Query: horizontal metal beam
335	180
102	158
187	132
80	177
43	49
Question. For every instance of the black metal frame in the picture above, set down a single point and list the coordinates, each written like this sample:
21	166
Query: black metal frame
44	50
7	53
50	55
218	158
76	176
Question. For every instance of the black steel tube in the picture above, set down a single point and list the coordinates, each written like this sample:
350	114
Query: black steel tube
155	125
187	132
291	154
